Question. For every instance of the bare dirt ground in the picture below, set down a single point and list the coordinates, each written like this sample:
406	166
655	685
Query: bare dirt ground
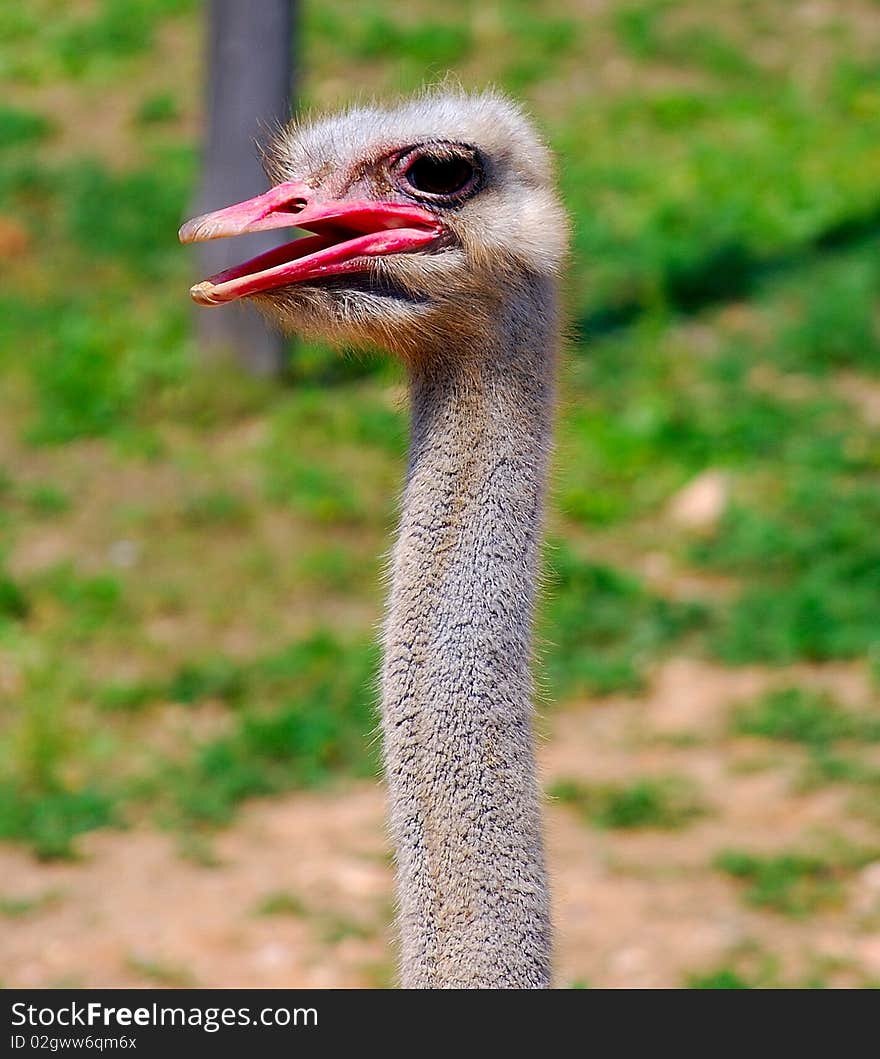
298	891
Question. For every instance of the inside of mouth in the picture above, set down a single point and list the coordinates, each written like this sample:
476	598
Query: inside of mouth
300	247
320	235
334	247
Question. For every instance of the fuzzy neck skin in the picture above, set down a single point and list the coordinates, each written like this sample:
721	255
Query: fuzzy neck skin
456	682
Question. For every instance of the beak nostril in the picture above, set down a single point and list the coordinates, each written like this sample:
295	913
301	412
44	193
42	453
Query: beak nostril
293	206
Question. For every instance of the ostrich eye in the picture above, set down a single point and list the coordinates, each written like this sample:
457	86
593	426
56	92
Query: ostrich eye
433	175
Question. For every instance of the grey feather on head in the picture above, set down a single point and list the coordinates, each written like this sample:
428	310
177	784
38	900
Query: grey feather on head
503	226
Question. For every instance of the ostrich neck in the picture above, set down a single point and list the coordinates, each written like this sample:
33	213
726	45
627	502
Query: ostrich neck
456	683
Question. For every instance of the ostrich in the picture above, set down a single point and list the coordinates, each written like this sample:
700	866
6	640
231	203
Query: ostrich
436	233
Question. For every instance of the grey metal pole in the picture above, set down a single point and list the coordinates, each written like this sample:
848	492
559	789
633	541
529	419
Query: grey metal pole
250	83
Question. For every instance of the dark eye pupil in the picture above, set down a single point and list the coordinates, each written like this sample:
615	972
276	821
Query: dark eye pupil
439	176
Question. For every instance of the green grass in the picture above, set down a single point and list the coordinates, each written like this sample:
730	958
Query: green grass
358	432
281	903
47	501
642	31
792	883
88	603
215	509
337	928
19	127
302	715
166	975
427	47
836	326
723	274
603	627
722	978
749	966
13	601
666	802
157	109
45	43
319	724
19	907
333	569
825	765
799	715
49	818
324	495
812	585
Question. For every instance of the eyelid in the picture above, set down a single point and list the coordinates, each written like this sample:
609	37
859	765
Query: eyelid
441	148
407	157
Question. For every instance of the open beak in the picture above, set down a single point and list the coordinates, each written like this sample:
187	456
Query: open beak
346	235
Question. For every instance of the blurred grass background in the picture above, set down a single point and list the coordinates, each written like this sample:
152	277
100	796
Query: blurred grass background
190	560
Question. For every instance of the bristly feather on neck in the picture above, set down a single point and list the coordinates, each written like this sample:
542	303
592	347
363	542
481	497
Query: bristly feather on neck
457	687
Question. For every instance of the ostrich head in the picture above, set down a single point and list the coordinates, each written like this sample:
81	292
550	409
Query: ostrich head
426	219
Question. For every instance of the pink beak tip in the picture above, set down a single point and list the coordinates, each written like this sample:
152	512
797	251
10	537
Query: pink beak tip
203	294
188	231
